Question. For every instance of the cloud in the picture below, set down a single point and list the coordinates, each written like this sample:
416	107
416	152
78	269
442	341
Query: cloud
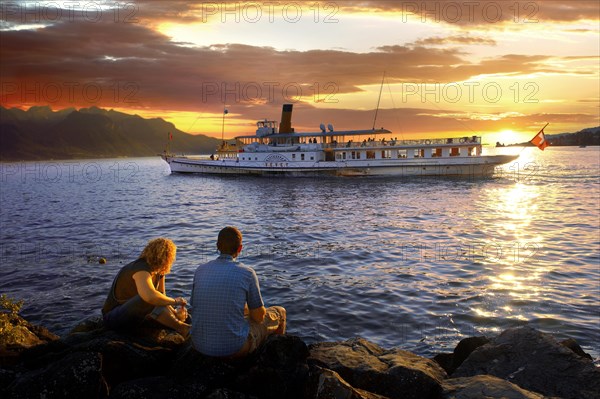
131	62
130	65
489	13
455	39
407	122
483	13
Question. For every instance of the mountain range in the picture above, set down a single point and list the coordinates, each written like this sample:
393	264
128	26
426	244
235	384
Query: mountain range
589	136
40	133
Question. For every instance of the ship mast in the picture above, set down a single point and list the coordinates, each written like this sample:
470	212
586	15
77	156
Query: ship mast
225	112
378	100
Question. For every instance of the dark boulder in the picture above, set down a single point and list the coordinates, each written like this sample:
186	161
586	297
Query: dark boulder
92	323
131	355
446	361
327	384
393	373
485	387
278	369
451	361
18	335
224	393
537	362
209	371
126	356
160	387
127	361
6	378
78	375
281	364
574	346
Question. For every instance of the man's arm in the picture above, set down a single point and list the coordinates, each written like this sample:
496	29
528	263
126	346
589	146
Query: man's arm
258	314
254	300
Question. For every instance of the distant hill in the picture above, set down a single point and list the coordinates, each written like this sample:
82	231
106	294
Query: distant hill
585	137
40	133
589	136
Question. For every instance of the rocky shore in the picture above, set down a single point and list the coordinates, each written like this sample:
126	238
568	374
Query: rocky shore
92	362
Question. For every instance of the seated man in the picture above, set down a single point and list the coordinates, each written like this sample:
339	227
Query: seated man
228	315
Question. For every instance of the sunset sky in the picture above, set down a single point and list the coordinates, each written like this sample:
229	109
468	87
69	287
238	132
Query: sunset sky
501	69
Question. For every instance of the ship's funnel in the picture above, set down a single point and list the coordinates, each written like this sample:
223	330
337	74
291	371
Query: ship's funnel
286	119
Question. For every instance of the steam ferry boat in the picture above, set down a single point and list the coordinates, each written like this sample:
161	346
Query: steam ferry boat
281	151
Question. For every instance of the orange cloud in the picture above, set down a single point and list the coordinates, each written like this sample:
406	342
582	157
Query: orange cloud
458	39
131	66
128	65
483	13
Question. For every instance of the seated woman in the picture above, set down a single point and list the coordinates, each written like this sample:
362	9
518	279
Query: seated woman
138	292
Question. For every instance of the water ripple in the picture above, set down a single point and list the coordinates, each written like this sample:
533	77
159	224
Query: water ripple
414	263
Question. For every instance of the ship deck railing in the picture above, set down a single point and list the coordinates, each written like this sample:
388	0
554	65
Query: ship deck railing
371	144
461	141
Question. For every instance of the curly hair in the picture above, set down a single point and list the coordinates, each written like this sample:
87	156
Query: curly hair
160	254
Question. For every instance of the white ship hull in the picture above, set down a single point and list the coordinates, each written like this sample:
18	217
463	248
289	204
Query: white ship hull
481	166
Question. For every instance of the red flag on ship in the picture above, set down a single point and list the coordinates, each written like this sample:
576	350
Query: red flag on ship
539	140
170	136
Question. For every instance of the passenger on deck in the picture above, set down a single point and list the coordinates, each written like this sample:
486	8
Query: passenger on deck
229	316
137	293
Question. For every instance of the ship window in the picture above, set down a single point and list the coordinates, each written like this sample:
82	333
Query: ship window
344	155
302	157
370	154
436	152
312	158
454	151
293	156
419	153
355	154
401	153
386	154
470	151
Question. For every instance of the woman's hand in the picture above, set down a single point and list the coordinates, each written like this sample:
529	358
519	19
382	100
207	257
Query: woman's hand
181	313
180	302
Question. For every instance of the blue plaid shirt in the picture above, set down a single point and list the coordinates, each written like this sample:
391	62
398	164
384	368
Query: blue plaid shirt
221	289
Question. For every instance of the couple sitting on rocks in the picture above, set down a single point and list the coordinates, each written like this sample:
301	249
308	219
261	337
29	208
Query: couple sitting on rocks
228	316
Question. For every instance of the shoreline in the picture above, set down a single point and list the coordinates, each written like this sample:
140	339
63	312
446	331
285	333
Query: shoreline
94	362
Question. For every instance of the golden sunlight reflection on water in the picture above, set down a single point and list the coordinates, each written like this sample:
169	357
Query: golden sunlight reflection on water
516	206
516	277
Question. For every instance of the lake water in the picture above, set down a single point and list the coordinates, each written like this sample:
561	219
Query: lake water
413	263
